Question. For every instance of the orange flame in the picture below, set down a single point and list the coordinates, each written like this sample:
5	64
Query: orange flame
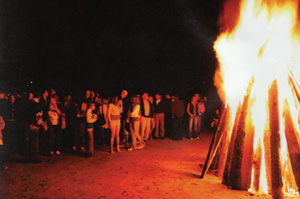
260	42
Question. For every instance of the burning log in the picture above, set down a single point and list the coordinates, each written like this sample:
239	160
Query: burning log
268	156
225	143
293	144
257	158
236	179
214	145
294	84
276	176
226	172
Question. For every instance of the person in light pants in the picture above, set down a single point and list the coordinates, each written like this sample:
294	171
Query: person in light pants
145	117
134	115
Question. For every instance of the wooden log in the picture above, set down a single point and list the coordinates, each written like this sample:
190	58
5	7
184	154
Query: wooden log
294	84
213	145
268	155
276	176
235	178
247	161
219	135
224	144
292	138
226	172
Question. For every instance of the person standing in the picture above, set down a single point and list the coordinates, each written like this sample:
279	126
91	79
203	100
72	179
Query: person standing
124	131
54	128
168	115
79	133
91	118
201	110
134	115
177	109
70	108
13	134
145	117
114	116
36	124
159	115
152	119
192	110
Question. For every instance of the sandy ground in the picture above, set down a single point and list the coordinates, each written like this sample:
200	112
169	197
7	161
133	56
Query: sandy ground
163	169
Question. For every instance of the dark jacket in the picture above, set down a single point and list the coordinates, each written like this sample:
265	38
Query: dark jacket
143	109
177	108
160	107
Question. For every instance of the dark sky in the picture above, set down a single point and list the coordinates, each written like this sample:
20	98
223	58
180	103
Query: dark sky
141	45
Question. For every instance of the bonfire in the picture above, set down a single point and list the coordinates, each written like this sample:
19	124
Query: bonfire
257	141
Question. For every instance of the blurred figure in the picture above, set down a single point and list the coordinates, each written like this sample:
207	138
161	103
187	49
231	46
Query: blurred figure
177	109
168	115
91	118
105	113
159	115
30	96
54	127
92	96
114	117
79	133
101	122
215	120
145	117
36	124
152	120
124	123
2	148
14	135
2	126
97	126
201	111
87	97
192	110
44	99
134	115
70	109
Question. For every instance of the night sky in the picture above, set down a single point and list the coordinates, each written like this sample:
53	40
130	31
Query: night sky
71	45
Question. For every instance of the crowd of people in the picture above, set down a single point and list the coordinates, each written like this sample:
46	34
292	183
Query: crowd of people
34	125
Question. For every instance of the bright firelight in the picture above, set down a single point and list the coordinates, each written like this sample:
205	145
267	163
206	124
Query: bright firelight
262	47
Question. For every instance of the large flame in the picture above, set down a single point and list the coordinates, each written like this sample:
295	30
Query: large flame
260	44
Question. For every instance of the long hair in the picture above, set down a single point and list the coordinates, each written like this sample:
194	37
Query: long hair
114	100
134	101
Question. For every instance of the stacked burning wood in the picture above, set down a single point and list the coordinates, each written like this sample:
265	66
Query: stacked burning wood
239	163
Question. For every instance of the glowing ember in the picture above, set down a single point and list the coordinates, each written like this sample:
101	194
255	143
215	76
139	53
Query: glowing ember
258	55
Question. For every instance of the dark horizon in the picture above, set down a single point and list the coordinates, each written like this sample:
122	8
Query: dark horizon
157	46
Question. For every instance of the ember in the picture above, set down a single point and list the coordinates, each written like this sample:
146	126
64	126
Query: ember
257	52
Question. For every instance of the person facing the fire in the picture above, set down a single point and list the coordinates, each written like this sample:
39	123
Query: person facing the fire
215	120
145	117
114	117
134	114
36	125
54	114
124	131
201	110
192	110
159	115
91	118
177	109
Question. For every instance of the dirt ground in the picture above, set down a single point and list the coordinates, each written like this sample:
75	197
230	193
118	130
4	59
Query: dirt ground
163	169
